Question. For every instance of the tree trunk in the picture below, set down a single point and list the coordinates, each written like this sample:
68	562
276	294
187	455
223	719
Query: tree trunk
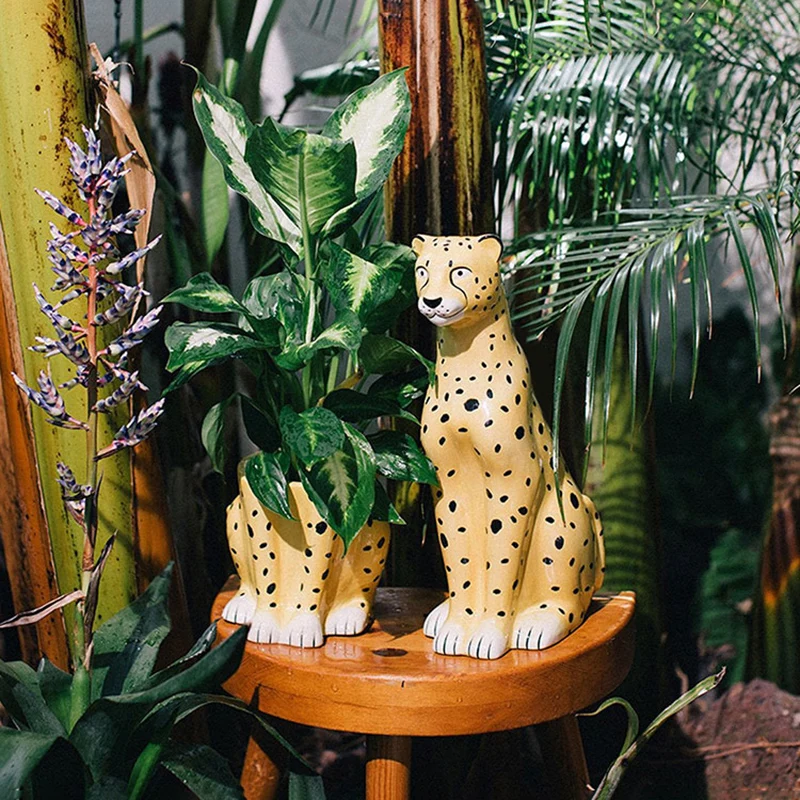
441	183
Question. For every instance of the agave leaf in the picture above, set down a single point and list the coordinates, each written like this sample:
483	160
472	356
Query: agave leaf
22	751
55	685
202	770
126	647
101	734
22	698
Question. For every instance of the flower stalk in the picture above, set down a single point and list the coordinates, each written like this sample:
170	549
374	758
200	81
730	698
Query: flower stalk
87	263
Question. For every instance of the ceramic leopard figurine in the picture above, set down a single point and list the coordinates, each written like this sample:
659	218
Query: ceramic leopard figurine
520	575
296	585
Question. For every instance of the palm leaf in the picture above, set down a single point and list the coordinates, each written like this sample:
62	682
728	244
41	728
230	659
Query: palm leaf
561	271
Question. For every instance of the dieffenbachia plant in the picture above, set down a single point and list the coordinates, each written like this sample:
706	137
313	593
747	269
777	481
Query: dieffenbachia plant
88	264
313	331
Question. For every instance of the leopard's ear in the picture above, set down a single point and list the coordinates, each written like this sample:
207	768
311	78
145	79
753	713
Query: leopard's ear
491	245
418	243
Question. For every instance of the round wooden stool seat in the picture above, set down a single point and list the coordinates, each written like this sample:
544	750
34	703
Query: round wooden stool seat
389	682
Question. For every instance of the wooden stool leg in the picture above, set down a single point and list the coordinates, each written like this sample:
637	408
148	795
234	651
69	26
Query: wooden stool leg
388	766
564	759
261	776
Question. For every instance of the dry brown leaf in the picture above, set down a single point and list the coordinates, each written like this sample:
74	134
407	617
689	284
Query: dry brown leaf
141	182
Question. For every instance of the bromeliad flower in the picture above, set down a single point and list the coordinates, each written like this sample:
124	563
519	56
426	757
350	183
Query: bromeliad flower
136	430
50	401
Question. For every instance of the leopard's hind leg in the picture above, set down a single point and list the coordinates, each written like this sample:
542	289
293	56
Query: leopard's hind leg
562	570
241	607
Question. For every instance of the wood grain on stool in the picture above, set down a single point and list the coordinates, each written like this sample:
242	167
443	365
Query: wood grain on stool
388	767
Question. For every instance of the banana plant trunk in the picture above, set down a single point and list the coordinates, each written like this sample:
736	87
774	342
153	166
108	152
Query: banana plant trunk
44	96
441	183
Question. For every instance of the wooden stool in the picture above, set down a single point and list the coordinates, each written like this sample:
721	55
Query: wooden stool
389	684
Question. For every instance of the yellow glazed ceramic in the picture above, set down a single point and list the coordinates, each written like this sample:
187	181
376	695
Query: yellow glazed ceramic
519	574
295	584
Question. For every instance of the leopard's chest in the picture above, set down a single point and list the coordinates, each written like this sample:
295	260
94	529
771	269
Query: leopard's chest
476	399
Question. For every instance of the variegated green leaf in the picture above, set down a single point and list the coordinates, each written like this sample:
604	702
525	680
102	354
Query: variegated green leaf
267	479
344	334
357	284
311	177
312	435
342	486
375	118
226	129
399	457
383	354
276	297
201	342
203	293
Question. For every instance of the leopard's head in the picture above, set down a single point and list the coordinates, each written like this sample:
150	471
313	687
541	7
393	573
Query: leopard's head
458	278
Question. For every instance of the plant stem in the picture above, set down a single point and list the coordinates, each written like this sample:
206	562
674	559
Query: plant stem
333	373
89	534
309	253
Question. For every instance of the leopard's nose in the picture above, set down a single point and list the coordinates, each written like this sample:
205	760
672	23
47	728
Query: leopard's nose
431	302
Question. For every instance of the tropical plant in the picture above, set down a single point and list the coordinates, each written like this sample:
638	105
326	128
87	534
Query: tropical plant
106	732
88	264
105	728
311	338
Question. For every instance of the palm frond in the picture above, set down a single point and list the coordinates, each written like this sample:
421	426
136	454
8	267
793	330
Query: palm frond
558	275
592	102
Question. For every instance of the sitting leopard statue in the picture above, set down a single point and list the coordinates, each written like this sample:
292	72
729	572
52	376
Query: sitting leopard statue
521	567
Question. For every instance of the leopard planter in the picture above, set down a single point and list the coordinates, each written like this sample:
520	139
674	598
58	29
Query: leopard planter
520	575
296	586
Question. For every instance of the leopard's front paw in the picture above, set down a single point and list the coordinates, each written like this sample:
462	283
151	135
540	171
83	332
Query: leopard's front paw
488	641
450	639
239	609
304	630
264	628
348	620
539	628
435	619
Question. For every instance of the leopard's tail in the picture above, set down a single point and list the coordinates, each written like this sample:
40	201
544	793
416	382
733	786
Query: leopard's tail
599	543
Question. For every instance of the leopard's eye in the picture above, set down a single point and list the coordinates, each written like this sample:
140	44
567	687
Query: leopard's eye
422	273
460	272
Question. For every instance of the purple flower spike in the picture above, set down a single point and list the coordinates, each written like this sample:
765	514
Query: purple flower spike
132	258
135	431
127	300
59	320
120	394
72	216
73	494
131	337
50	401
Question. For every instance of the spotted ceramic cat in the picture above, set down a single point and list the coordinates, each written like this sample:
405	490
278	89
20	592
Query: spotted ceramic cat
295	585
519	574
